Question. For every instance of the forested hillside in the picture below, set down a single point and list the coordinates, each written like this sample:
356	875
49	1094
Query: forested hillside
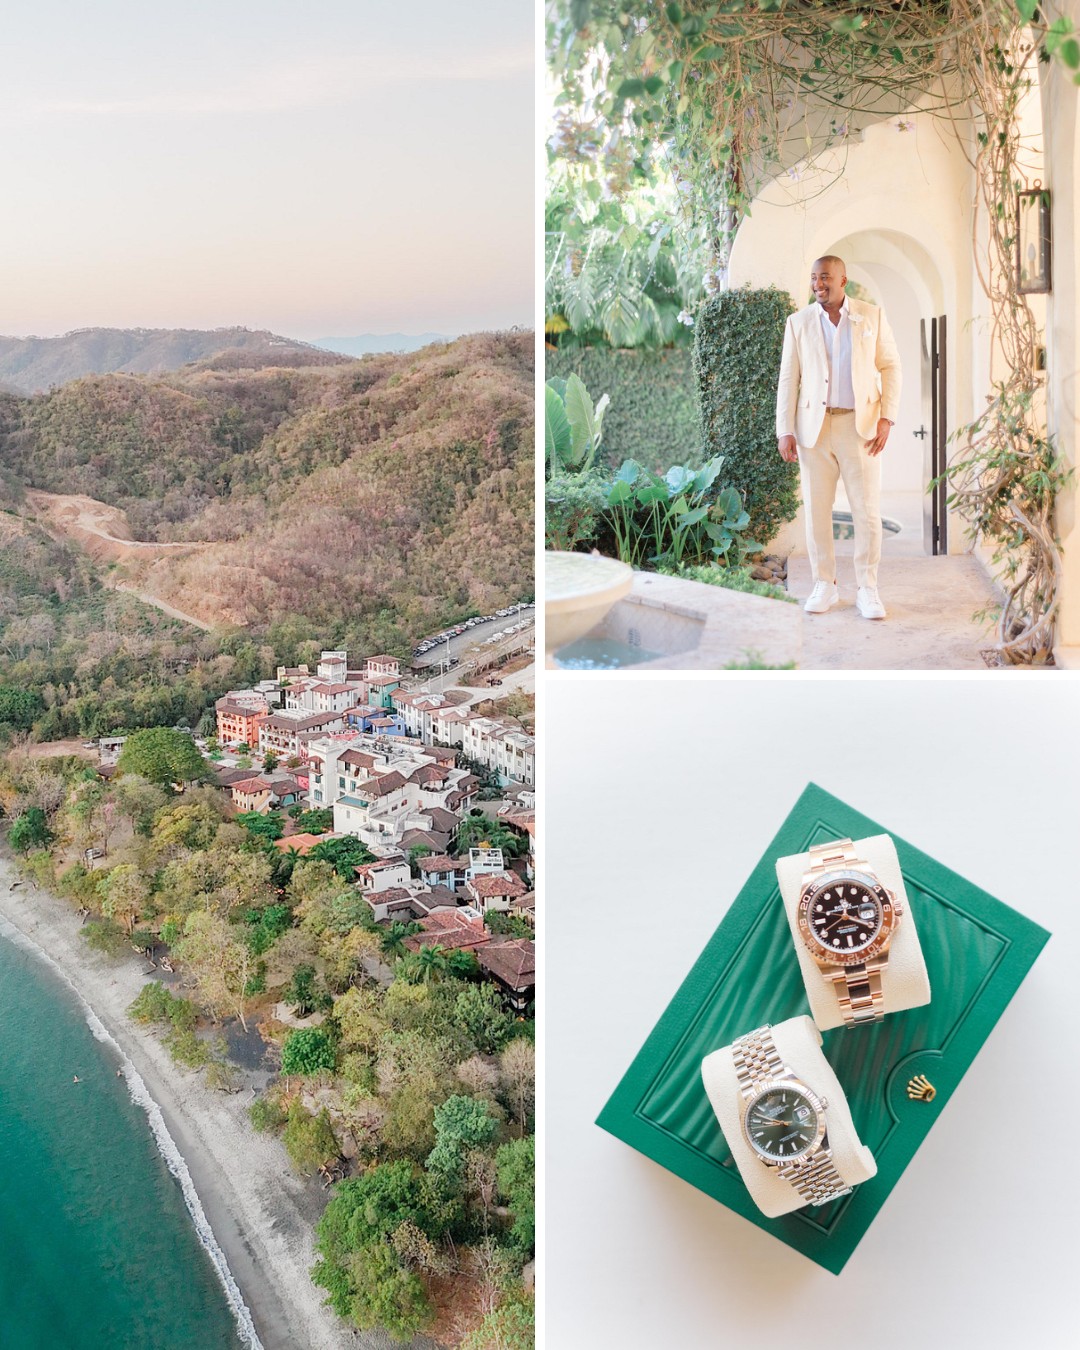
31	365
358	505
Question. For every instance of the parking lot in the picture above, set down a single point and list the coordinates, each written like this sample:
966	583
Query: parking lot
476	636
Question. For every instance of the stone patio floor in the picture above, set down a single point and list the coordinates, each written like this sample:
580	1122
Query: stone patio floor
929	602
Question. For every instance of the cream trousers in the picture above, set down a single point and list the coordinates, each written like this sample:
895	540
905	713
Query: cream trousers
840	452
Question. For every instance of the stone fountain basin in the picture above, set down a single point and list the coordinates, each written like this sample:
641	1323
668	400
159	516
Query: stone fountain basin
579	589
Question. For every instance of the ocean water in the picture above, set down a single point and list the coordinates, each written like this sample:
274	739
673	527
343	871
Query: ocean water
103	1245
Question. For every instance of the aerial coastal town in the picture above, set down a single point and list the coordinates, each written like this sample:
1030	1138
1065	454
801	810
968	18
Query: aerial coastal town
326	880
401	770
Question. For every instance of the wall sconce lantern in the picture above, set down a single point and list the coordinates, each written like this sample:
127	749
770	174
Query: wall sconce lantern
1033	240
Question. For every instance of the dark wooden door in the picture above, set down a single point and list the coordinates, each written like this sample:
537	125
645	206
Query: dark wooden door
935	371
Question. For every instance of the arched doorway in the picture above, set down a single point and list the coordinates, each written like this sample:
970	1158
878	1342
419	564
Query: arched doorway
897	205
893	270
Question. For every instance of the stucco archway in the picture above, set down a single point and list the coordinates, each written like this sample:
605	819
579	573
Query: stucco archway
896	204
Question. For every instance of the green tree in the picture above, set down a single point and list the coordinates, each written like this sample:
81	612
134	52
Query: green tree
309	1140
267	1113
393	938
266	925
188	825
19	707
507	925
316	821
162	755
139	801
369	1207
270	762
416	854
302	993
30	830
479	1012
308	1050
511	1326
461	1123
476	830
269	826
516	1164
371	1288
222	964
124	892
344	854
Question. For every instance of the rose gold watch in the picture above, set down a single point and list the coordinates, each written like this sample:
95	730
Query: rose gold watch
847	919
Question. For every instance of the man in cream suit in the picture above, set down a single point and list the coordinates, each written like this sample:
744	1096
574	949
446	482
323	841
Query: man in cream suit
836	402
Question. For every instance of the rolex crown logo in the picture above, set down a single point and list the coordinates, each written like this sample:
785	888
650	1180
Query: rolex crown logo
920	1089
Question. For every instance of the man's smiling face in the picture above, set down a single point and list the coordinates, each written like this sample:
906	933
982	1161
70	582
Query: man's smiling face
827	281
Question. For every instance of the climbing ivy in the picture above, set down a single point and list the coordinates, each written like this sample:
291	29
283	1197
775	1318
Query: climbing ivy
726	95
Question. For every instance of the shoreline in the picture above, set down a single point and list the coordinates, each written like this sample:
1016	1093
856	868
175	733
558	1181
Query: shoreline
260	1213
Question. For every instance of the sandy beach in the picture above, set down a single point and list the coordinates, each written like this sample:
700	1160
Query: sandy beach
261	1213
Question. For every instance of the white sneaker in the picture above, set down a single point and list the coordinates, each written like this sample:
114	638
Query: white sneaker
824	595
868	603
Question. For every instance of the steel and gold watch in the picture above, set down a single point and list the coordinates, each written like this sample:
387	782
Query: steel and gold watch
847	920
783	1120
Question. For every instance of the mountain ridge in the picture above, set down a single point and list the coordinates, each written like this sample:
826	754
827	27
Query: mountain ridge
378	344
33	365
368	502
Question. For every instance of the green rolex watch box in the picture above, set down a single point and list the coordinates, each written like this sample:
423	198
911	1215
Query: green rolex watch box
977	952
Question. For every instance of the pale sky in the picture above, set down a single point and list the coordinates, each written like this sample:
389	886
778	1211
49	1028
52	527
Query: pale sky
323	168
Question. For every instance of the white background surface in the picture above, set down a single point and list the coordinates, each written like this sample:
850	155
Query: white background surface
660	799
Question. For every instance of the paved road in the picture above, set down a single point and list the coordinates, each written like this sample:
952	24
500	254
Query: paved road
524	680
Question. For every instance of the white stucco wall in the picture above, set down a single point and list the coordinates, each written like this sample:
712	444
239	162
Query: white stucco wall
897	206
1061	119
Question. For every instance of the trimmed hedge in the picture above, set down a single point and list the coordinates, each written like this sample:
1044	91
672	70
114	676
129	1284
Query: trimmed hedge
740	337
653	417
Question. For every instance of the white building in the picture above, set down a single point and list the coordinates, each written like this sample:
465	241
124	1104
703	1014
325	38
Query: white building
289	731
502	745
381	787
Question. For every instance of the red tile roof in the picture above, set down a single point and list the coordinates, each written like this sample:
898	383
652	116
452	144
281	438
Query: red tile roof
449	928
513	962
487	886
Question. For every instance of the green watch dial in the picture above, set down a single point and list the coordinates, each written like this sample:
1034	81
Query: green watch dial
781	1124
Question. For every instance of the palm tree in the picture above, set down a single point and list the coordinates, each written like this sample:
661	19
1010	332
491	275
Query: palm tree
461	964
393	938
424	966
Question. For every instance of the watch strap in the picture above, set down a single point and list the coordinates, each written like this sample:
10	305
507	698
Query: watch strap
757	1061
836	853
815	1177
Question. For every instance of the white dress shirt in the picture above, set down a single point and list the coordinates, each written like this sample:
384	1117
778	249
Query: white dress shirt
838	355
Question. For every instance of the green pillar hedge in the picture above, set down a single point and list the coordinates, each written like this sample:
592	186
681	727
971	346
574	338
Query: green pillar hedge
740	336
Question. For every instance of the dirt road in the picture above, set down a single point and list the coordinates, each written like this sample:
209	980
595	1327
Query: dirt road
100	529
170	610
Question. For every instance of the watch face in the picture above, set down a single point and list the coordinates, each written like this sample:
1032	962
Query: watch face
781	1123
844	916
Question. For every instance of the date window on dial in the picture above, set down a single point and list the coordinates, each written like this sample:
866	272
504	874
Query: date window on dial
802	1113
868	912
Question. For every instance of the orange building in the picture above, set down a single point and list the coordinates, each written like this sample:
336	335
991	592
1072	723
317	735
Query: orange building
238	722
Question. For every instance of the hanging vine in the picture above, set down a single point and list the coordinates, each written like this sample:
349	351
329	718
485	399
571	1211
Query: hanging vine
730	94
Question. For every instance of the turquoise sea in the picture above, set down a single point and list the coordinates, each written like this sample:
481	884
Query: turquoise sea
99	1249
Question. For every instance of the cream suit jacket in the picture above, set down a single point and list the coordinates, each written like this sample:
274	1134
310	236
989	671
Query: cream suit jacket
802	392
